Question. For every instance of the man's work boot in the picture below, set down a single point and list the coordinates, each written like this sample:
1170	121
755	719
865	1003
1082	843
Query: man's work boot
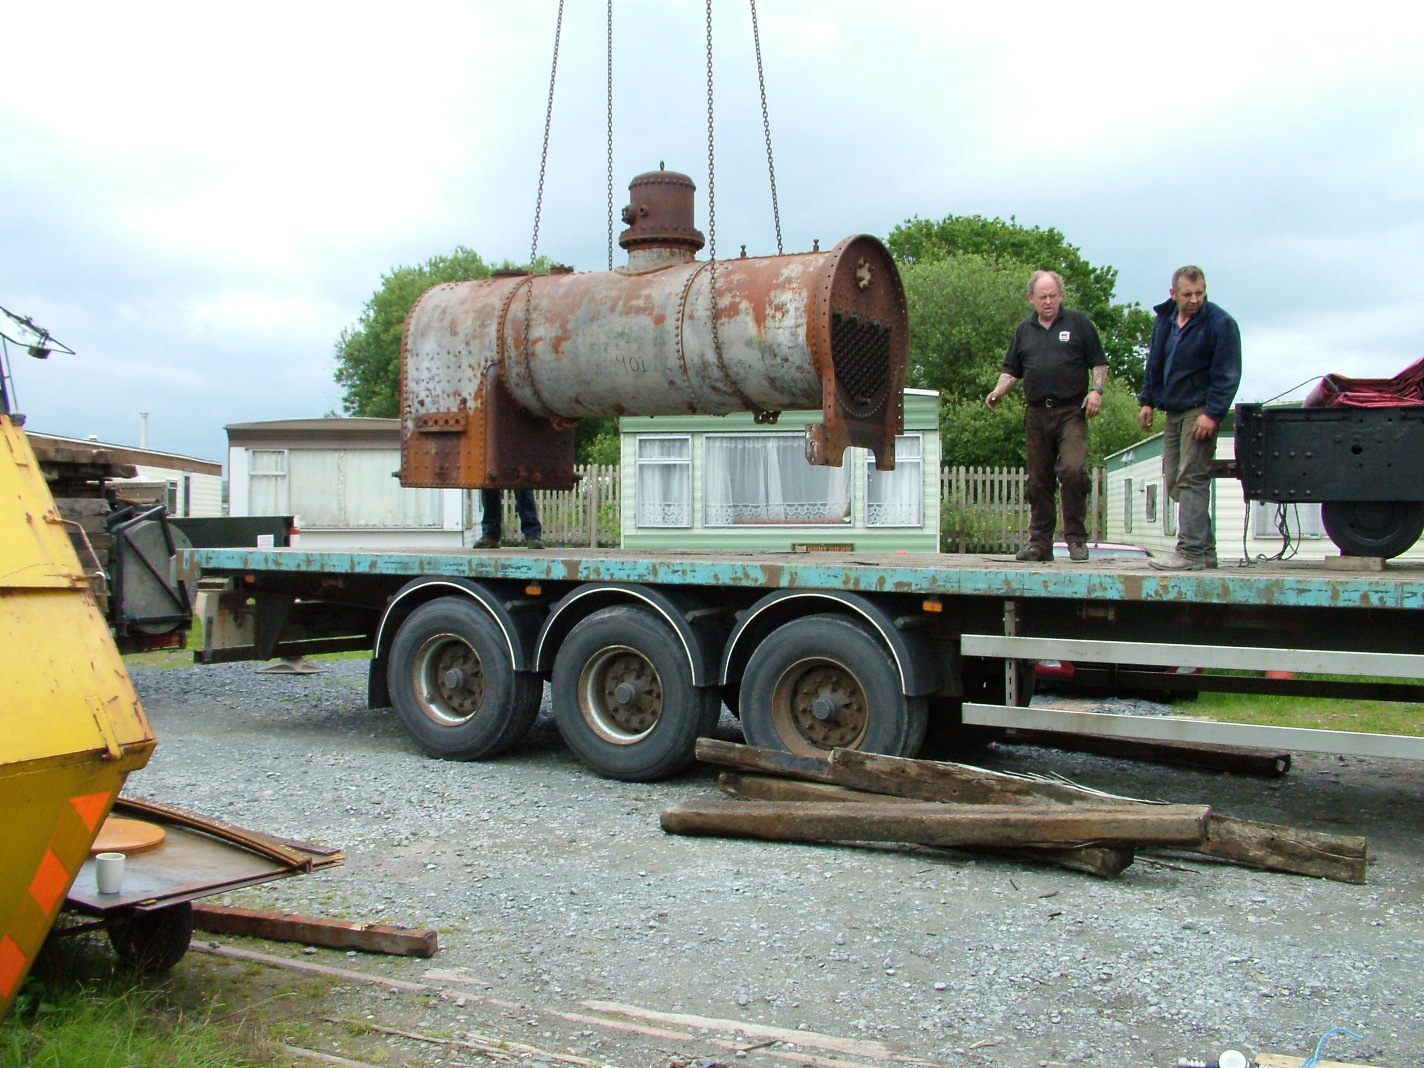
1077	552
1177	562
487	543
1028	552
534	543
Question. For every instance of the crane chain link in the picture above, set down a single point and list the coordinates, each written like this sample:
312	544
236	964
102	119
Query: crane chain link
766	128
610	135
712	197
539	199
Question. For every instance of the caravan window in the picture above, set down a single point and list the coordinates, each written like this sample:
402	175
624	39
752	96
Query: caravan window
267	482
1302	520
664	488
764	479
897	498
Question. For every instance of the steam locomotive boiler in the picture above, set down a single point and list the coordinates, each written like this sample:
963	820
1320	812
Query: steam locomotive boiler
496	372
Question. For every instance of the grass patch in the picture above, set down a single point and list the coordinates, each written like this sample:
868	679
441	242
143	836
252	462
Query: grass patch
1338	714
176	658
81	1008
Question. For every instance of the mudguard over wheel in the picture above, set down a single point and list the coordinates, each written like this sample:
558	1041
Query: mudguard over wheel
824	682
1373	528
624	699
153	941
453	685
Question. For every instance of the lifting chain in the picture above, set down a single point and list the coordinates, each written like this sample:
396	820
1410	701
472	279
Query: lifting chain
539	199
712	197
766	128
610	135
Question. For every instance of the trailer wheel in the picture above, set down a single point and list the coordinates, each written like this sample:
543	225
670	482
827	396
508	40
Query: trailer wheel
824	682
453	685
153	941
1373	528
624	699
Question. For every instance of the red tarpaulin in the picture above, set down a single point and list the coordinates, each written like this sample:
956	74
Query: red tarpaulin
1403	389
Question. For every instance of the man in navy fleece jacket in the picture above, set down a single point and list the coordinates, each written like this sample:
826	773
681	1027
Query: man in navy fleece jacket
1193	371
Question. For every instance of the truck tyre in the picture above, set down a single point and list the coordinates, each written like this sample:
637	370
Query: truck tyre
1373	528
453	685
824	682
153	941
624	699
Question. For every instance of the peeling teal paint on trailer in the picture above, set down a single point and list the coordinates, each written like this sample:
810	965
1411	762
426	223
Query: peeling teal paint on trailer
1398	587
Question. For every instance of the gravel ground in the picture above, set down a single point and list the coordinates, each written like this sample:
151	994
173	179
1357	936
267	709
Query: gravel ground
553	889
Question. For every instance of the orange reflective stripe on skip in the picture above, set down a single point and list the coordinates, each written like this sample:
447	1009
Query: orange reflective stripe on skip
50	882
31	922
91	808
12	964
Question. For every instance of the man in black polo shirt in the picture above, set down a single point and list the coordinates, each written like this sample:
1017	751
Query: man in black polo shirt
1055	351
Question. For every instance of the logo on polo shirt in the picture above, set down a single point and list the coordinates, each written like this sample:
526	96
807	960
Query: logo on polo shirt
1064	335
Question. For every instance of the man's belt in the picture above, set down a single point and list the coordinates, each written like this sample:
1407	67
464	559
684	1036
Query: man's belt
1050	402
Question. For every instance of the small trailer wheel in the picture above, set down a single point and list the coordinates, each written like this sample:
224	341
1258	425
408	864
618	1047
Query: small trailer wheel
153	941
1373	528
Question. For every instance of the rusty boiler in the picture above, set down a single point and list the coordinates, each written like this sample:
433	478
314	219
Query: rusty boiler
494	373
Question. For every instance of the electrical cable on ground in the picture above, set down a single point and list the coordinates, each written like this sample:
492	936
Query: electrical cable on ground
1314	1058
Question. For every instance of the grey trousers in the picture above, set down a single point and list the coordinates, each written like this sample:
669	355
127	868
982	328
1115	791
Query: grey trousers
1186	469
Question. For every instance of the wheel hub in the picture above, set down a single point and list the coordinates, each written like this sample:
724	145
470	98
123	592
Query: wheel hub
822	703
449	680
622	695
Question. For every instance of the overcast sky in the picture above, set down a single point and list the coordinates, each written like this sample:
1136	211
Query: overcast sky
198	198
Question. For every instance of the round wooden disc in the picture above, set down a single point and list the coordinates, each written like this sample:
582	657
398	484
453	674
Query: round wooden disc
120	835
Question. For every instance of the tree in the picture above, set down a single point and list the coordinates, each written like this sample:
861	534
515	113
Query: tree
368	353
1124	328
963	311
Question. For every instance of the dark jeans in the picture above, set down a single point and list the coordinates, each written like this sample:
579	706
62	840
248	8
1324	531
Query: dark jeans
492	514
1056	450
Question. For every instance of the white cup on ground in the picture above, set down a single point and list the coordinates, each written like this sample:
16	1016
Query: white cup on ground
109	872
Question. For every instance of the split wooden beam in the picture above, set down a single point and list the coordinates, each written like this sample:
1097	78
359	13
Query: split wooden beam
1262	845
1106	862
1259	845
938	824
317	931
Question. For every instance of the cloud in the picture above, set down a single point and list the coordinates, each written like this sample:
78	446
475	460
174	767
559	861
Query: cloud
199	202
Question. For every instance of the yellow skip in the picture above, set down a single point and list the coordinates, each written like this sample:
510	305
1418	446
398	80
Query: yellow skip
71	726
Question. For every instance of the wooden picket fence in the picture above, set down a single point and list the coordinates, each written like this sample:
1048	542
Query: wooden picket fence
985	509
587	515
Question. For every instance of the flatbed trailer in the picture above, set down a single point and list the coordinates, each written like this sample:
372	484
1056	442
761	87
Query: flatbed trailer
810	650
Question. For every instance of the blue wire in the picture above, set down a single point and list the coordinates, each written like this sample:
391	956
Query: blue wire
1314	1058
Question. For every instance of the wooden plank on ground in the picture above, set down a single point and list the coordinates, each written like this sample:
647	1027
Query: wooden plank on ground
755	758
940	824
1261	845
1265	763
317	931
1103	861
1342	857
